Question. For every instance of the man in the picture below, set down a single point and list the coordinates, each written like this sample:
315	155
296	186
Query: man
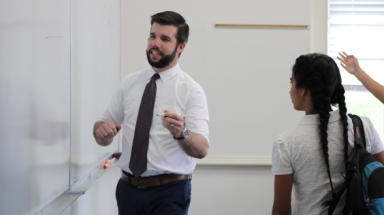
158	153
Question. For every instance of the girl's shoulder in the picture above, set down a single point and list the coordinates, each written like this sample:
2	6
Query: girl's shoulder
299	132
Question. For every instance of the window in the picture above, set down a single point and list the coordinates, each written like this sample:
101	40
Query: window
357	27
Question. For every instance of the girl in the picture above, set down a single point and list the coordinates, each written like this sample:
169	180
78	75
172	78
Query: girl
311	156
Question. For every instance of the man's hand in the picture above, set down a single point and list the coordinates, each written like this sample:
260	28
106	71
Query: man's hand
106	131
195	145
349	63
174	123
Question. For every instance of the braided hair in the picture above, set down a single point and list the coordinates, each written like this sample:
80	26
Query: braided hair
320	74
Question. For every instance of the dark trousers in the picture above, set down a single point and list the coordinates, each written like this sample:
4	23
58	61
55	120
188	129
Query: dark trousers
169	199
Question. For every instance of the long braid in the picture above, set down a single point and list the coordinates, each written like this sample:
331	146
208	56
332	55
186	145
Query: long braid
323	127
344	120
321	100
339	98
312	71
322	104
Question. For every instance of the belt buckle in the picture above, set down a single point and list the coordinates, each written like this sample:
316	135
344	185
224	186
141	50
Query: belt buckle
138	182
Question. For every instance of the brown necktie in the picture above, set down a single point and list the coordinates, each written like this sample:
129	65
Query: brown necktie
138	162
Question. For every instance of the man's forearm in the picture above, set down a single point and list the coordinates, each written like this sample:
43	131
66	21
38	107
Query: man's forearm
195	145
105	142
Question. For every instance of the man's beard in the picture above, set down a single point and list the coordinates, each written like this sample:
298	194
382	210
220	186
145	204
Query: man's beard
164	61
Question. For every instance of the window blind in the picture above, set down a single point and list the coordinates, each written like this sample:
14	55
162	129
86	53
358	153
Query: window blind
357	27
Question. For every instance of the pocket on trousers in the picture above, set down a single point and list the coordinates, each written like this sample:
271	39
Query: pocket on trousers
187	192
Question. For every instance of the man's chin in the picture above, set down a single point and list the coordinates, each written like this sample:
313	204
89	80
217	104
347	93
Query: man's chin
155	60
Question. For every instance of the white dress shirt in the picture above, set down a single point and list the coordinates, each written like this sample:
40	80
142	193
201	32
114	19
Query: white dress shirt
298	151
176	92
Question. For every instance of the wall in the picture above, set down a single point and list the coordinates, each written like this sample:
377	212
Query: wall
319	26
242	188
216	189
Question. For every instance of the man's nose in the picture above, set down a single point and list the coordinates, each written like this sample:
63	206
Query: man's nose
156	43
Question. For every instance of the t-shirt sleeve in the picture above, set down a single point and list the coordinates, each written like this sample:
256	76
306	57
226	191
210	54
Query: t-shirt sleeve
197	117
373	141
115	111
281	159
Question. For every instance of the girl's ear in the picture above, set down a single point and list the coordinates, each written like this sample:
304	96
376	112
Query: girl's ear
304	92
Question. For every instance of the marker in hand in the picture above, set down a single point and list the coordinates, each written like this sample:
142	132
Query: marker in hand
163	114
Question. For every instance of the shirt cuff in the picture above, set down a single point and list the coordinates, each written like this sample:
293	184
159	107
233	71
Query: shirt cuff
282	172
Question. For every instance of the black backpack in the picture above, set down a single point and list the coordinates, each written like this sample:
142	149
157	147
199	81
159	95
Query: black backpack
364	179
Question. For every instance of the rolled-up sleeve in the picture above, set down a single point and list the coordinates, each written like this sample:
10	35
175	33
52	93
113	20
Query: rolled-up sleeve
115	110
281	159
197	116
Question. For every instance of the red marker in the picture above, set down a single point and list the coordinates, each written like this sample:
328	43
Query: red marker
108	163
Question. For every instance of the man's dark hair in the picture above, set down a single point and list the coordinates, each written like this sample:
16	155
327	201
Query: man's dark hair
175	19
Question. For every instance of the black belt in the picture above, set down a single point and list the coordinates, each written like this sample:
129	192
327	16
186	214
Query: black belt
143	182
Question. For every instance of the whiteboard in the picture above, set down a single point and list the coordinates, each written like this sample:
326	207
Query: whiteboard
59	66
244	72
95	75
34	103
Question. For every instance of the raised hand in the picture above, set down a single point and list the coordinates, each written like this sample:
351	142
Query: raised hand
349	63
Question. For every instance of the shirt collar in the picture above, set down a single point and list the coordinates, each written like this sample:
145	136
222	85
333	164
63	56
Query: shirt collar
165	75
313	119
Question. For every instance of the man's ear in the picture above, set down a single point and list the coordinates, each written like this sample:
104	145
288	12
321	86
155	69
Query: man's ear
181	47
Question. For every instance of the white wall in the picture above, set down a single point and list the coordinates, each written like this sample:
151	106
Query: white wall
319	26
229	190
215	189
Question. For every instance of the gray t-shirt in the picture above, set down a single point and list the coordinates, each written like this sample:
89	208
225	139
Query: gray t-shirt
298	151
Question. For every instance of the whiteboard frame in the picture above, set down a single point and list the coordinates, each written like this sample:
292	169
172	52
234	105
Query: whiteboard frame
78	188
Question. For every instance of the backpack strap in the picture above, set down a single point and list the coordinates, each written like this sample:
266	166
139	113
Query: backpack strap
336	198
359	143
358	129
